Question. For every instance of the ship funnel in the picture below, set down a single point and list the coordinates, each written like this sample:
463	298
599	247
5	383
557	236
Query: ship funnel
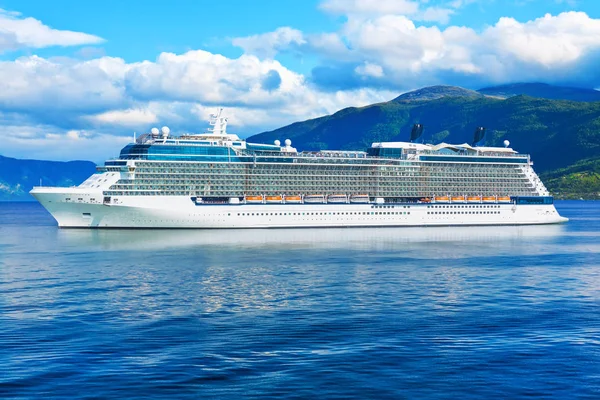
415	134
479	136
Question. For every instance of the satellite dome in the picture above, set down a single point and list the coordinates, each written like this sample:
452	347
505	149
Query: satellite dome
288	142
154	131
506	143
165	130
277	143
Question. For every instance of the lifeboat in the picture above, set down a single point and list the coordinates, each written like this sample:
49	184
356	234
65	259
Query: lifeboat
359	198
458	199
293	199
337	198
442	199
254	199
489	199
314	198
504	199
425	200
274	199
473	199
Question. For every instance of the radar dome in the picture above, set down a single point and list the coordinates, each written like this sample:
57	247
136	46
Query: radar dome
288	142
506	143
154	131
165	130
277	143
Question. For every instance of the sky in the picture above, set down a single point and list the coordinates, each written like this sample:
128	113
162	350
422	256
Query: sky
79	78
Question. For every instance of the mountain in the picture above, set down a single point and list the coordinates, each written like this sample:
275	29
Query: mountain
557	133
581	180
542	90
17	177
438	92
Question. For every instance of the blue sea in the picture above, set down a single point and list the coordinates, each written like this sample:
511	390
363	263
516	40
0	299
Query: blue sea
402	313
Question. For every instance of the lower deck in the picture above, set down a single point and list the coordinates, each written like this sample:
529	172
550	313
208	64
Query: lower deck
180	212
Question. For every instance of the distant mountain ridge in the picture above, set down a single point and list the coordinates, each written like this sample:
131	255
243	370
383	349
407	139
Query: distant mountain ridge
438	92
542	90
17	177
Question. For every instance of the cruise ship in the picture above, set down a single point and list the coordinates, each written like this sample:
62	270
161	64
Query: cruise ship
217	180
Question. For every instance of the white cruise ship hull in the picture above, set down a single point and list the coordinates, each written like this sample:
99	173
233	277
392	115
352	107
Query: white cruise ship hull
83	208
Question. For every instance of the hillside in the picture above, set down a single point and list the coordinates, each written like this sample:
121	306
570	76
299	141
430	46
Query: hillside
557	133
581	180
543	91
17	177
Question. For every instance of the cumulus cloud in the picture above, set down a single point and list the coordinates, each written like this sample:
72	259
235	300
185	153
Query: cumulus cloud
359	9
370	7
564	48
18	32
266	45
368	69
549	41
68	85
91	101
129	117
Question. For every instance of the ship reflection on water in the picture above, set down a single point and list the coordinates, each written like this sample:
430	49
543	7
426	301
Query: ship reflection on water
338	238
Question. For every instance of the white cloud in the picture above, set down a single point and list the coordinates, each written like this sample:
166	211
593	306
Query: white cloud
361	9
61	101
268	44
437	14
549	41
368	69
561	48
49	142
17	32
129	117
370	7
40	83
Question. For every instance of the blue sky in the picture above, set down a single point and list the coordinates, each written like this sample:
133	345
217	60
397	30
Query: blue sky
80	76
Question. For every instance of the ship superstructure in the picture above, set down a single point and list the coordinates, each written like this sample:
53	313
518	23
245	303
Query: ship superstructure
217	180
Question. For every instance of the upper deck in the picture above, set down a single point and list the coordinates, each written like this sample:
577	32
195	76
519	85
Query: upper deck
216	145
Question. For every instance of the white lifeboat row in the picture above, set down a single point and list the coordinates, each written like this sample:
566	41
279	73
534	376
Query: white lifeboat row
307	199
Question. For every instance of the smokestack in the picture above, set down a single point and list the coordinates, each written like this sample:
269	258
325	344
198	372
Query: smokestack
479	136
415	134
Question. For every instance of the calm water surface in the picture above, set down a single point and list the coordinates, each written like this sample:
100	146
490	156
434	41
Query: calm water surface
444	313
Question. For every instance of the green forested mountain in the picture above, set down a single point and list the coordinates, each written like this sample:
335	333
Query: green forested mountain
581	180
17	177
557	133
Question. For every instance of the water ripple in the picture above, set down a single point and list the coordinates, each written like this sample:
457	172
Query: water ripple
445	313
